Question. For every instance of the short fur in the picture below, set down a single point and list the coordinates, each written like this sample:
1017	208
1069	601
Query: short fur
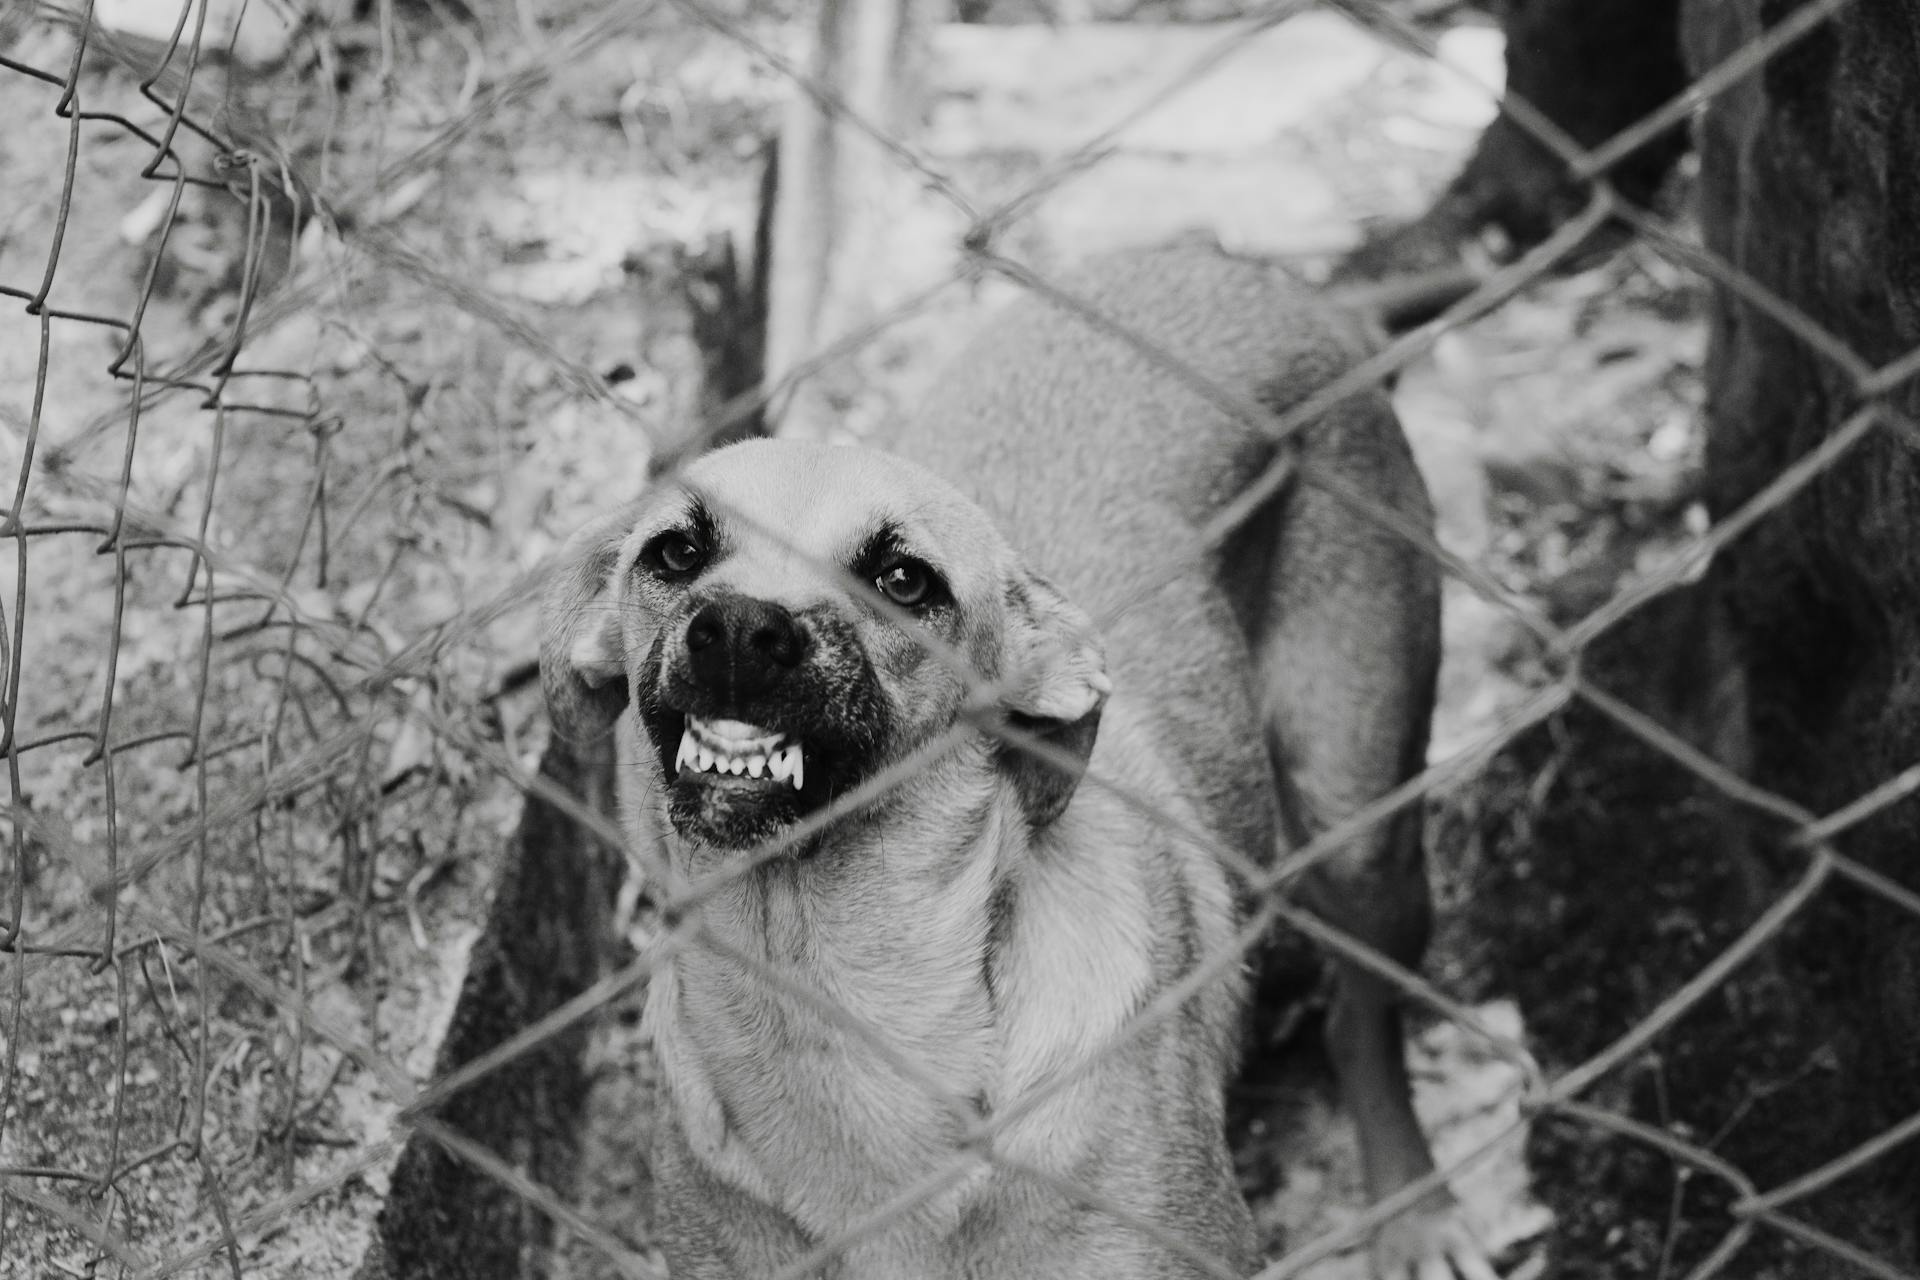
988	919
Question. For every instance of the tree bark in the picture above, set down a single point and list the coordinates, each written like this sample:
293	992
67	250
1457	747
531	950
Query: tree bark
1809	185
1796	663
837	191
1593	67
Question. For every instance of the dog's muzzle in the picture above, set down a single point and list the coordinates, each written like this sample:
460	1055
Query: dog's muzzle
760	716
738	652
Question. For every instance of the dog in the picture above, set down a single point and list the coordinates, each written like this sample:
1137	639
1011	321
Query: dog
898	1046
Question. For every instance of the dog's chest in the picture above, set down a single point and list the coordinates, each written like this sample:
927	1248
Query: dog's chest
824	1079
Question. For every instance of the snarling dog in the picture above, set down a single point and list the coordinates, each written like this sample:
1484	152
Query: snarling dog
906	1042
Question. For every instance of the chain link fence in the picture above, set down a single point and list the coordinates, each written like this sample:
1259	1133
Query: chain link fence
268	647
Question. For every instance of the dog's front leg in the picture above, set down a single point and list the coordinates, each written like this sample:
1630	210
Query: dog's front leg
709	1229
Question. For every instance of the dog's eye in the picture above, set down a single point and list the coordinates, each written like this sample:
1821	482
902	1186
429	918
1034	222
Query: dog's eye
674	554
908	583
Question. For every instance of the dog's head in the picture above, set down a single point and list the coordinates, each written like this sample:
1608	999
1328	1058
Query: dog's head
792	618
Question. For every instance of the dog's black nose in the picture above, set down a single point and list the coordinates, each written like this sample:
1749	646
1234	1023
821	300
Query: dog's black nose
739	647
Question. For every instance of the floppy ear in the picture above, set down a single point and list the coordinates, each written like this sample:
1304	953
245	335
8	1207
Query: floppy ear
1058	684
582	663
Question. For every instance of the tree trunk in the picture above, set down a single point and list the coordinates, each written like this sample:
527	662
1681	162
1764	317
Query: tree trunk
1796	663
1809	184
838	191
1593	67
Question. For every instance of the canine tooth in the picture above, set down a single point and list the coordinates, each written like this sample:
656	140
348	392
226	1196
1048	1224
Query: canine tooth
685	758
706	759
799	767
756	765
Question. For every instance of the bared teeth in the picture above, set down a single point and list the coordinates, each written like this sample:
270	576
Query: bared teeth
788	765
734	753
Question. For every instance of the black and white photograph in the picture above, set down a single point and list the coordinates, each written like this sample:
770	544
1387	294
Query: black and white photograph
960	640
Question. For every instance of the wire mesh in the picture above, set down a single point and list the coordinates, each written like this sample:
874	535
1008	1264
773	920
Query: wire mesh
254	693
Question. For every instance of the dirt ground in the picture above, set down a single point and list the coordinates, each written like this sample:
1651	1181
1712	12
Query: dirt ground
417	438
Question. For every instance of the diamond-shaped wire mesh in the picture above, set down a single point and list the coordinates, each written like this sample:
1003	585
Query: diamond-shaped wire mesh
267	631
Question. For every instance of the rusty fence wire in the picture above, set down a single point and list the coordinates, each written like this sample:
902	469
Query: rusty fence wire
235	672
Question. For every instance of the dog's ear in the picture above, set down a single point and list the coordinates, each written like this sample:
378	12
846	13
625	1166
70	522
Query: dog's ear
1057	676
582	663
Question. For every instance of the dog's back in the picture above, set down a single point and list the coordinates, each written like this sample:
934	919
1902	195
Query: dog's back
1057	410
1101	461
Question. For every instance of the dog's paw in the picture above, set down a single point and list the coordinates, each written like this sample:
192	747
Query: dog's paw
1431	1241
